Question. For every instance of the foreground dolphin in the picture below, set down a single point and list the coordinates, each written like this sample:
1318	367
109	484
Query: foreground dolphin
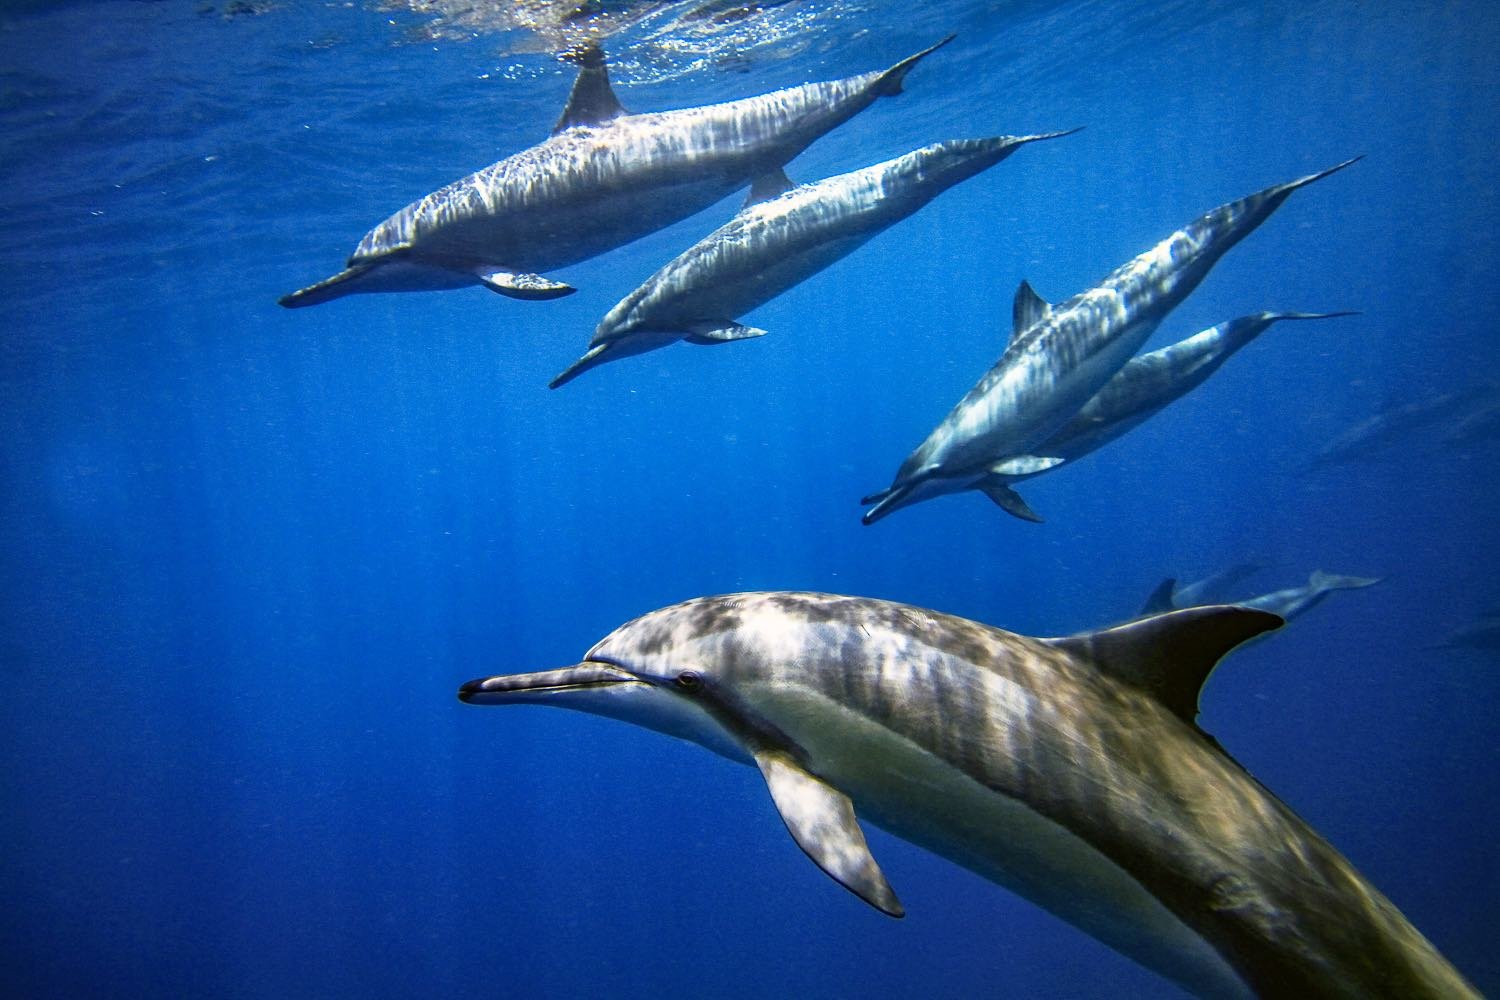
605	178
778	240
1069	770
1289	603
1060	356
1138	392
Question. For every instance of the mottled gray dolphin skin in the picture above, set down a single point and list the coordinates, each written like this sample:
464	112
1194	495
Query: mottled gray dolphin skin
1060	355
1137	392
604	179
1069	770
1292	602
777	241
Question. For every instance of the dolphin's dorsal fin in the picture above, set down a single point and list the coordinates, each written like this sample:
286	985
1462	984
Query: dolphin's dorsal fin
821	821
1160	600
1028	308
592	101
772	184
1170	656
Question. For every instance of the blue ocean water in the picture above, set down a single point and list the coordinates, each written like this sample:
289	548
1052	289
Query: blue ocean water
248	554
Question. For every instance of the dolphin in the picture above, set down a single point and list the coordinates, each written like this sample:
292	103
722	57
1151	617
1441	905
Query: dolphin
604	179
1172	596
1289	603
1136	393
780	238
1379	432
1060	355
1481	634
1069	770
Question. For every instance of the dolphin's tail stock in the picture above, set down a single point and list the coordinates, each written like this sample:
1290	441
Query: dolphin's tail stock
890	80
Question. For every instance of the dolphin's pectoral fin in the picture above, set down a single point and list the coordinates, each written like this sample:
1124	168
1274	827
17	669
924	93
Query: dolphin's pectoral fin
821	820
592	100
1026	465
1161	599
720	332
519	285
1009	500
1028	308
772	184
1170	656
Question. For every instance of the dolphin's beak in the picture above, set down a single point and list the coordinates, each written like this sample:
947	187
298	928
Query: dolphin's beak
509	689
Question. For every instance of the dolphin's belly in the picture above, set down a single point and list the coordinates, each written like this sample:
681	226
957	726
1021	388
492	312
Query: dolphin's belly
929	802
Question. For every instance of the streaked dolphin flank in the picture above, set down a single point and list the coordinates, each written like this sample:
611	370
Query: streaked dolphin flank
1060	355
1137	392
783	236
604	179
1068	770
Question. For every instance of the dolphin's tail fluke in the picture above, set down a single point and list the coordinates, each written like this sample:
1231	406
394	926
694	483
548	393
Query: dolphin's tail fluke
890	81
590	359
326	290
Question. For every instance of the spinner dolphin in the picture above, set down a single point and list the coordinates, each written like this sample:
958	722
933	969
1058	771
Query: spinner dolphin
1060	355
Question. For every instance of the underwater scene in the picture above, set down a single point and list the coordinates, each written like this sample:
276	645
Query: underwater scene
1067	572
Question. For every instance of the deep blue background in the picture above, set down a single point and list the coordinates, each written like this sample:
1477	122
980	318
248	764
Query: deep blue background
248	554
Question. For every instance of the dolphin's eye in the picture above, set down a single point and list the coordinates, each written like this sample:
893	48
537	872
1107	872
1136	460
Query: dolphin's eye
690	680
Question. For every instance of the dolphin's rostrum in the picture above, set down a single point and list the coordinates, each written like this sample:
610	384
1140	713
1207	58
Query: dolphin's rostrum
1069	770
604	179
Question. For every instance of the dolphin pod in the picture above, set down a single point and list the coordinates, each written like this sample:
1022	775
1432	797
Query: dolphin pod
604	179
783	236
1060	355
1069	770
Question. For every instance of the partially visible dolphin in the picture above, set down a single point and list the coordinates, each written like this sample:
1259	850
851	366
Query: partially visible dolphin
1068	770
1482	634
1060	356
783	236
604	179
1391	425
1292	602
1137	392
1214	589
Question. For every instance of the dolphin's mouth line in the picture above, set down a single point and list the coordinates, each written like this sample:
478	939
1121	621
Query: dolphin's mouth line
583	676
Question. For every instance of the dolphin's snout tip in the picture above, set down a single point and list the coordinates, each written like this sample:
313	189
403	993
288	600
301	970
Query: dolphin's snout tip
469	689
